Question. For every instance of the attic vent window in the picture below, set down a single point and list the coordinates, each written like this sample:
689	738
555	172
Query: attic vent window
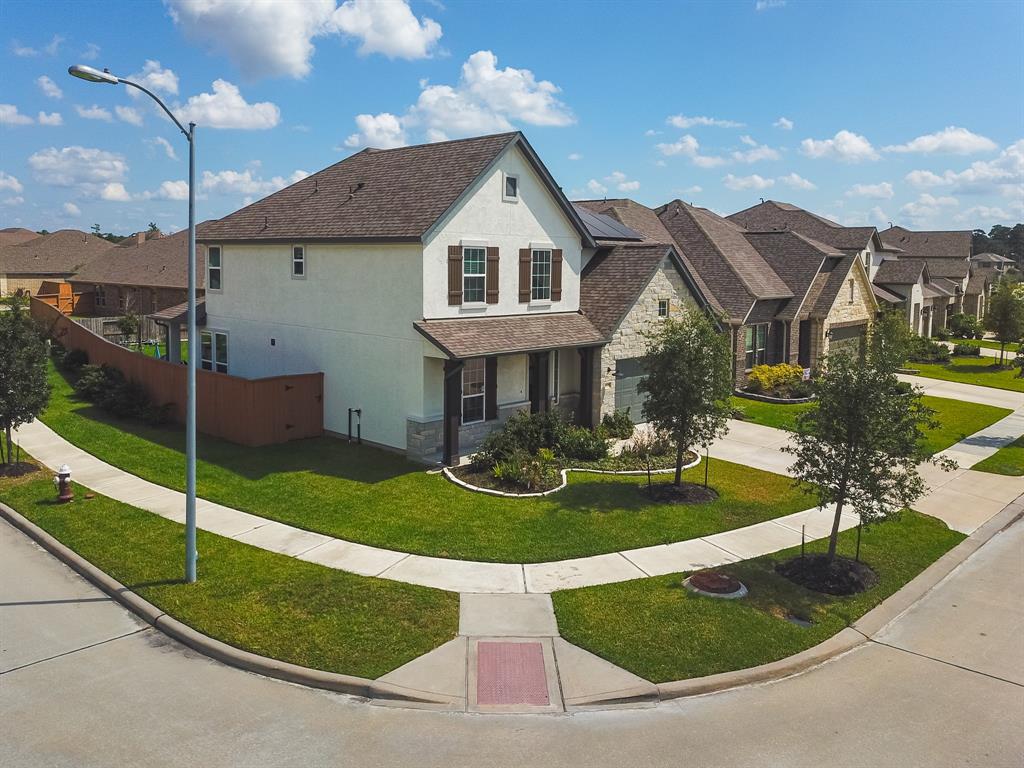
510	190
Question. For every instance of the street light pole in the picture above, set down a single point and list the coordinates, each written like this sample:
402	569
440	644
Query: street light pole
93	75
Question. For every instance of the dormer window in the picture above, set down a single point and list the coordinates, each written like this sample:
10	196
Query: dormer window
510	190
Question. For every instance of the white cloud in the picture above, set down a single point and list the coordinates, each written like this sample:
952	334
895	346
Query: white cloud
951	140
784	123
622	182
245	182
687	146
72	210
845	146
924	179
9	183
652	132
486	100
696	189
274	39
596	187
1002	175
74	166
881	191
48	87
795	181
155	78
682	121
708	161
756	153
54	118
15	200
91	52
95	112
926	208
165	145
983	213
737	183
767	5
50	49
575	156
878	217
172	190
9	115
383	131
226	108
115	192
129	114
389	28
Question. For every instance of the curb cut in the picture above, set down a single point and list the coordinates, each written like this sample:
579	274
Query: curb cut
208	646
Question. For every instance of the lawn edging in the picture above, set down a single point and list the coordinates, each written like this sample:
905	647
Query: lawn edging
861	631
451	476
769	399
206	645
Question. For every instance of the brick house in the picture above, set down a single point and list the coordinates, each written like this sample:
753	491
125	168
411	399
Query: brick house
45	261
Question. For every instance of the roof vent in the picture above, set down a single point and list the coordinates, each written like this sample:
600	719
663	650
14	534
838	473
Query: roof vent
266	222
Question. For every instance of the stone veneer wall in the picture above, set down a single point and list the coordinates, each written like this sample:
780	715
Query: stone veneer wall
424	440
861	309
629	340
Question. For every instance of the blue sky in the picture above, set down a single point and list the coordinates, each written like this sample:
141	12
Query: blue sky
864	112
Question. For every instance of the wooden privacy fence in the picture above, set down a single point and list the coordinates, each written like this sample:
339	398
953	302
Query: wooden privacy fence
251	412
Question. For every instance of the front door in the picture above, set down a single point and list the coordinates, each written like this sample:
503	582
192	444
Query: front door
538	382
804	351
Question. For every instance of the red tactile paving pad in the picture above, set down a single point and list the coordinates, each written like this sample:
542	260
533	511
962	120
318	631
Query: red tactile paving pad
511	673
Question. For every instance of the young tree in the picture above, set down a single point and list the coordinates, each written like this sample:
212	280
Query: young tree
688	382
1005	317
861	442
891	340
24	390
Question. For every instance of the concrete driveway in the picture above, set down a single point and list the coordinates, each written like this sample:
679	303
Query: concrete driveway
85	684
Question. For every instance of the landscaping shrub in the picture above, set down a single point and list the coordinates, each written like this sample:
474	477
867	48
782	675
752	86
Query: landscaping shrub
941	334
581	443
74	359
523	432
91	383
109	389
968	350
964	326
530	472
648	443
924	350
618	425
777	380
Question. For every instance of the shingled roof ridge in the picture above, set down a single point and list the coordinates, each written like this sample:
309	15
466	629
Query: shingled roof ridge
380	150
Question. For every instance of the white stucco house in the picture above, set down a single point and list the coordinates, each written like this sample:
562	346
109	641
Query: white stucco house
437	287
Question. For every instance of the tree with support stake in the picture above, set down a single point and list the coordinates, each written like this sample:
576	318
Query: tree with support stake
24	390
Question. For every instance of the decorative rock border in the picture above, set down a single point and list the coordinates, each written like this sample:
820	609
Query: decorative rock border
770	399
446	471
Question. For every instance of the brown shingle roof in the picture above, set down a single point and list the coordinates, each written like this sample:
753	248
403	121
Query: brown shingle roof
943	244
478	336
886	295
179	313
156	263
796	259
773	215
977	283
614	278
61	253
956	269
900	271
15	235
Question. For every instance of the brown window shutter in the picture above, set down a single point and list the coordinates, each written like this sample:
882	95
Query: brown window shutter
525	262
492	275
490	388
454	275
556	274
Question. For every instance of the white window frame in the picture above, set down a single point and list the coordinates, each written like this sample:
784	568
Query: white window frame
481	275
481	395
533	274
300	260
212	363
755	350
504	188
667	304
219	268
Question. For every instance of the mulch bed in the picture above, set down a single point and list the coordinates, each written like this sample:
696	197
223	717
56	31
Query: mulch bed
842	577
484	478
17	469
715	582
686	493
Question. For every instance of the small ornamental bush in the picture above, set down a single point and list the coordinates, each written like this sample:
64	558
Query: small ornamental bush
942	334
967	350
775	379
109	389
618	425
581	443
523	432
531	473
74	359
91	383
924	350
964	326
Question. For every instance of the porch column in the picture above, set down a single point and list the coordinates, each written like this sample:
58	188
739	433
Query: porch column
585	414
452	410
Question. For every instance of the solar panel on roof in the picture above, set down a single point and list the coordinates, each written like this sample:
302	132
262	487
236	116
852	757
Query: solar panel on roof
603	227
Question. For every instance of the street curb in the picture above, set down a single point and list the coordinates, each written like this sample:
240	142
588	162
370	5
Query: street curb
208	646
861	631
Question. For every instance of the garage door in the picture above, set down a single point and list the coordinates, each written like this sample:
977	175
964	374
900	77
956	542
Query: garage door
628	373
848	338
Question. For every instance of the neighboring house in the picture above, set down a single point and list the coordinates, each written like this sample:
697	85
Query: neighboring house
993	262
910	282
49	259
15	235
436	286
146	273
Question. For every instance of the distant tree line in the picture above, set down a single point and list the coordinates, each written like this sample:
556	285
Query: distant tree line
1006	241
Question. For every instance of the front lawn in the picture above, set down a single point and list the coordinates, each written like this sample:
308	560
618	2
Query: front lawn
987	344
657	629
376	497
972	370
263	602
957	419
1005	461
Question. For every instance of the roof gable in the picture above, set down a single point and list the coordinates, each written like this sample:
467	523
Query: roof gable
943	244
773	215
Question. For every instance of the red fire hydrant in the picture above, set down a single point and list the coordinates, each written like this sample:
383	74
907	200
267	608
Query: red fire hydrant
62	482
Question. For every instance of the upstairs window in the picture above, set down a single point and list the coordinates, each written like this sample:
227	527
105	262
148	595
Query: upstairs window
213	268
214	351
474	275
662	307
299	261
474	380
756	342
100	296
510	189
540	276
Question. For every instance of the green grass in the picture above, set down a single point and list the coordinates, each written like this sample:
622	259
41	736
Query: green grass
957	419
660	631
1005	461
972	370
263	602
150	349
987	344
377	497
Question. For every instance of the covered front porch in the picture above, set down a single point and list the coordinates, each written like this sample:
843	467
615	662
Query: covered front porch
480	371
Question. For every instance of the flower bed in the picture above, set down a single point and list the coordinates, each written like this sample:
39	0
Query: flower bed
782	383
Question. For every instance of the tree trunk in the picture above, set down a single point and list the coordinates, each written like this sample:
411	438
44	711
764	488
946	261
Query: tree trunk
679	464
10	444
1002	352
833	537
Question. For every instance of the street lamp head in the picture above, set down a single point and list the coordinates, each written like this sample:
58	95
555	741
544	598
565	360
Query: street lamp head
92	74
